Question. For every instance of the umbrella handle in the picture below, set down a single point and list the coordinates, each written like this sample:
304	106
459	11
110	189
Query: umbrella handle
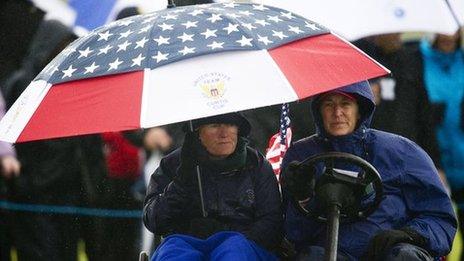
200	186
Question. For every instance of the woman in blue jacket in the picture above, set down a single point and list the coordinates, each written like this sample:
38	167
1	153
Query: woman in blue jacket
415	219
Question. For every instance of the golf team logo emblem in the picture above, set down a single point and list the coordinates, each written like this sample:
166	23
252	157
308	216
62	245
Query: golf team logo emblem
213	87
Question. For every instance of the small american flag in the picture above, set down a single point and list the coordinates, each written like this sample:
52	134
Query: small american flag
279	142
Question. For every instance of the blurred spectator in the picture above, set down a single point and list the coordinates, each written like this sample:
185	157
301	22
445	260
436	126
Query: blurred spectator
402	106
440	64
20	20
124	162
67	172
125	158
9	169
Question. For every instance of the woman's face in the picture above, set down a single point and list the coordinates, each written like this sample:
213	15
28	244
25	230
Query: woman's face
339	114
219	139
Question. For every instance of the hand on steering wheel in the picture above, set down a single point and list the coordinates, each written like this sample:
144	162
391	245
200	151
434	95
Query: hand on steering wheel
337	186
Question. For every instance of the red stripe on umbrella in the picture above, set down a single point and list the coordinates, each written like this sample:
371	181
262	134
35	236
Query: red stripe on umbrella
108	103
315	64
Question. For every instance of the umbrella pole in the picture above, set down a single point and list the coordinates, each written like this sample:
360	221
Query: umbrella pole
332	233
200	186
200	189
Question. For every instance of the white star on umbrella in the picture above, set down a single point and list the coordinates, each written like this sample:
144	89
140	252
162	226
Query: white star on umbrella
160	56
138	60
161	40
105	49
189	24
261	22
165	26
91	68
141	43
311	26
279	34
85	52
186	37
68	72
216	45
231	28
275	18
209	33
295	29
264	40
104	36
114	65
287	15
123	46
245	41
214	18
187	50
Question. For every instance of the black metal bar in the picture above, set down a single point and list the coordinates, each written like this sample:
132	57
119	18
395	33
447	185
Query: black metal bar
333	220
455	16
200	186
171	4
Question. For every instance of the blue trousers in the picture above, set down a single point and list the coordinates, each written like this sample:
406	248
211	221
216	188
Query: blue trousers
220	246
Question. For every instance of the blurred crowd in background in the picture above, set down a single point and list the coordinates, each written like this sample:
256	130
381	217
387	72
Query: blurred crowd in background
422	99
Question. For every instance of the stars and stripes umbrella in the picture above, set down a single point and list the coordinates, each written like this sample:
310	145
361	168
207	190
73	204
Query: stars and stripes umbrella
180	64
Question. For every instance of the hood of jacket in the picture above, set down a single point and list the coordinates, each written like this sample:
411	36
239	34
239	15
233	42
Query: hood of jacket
365	99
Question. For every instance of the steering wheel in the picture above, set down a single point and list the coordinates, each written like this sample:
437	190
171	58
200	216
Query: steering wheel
335	183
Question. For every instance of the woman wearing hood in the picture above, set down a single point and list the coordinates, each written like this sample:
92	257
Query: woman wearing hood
408	222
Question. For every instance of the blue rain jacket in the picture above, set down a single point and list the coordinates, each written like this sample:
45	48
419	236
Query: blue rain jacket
413	193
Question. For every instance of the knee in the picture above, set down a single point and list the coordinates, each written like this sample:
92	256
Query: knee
404	251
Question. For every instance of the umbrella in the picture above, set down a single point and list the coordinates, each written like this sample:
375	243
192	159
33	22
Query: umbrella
354	19
181	64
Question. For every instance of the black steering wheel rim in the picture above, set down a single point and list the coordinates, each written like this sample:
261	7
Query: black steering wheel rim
371	175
